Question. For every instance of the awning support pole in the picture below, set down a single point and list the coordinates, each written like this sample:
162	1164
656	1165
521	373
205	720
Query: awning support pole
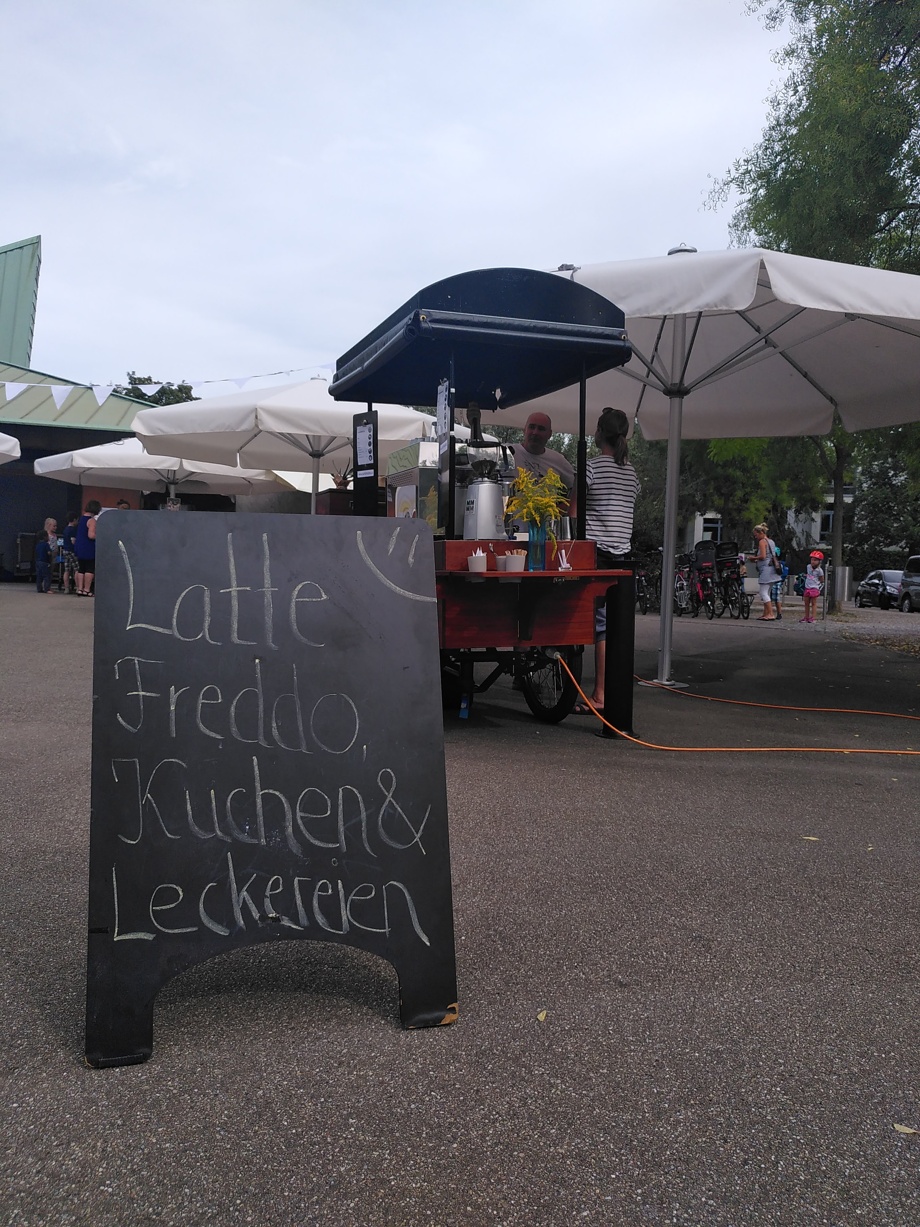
675	417
581	478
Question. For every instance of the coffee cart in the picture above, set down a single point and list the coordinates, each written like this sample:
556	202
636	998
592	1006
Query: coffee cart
491	339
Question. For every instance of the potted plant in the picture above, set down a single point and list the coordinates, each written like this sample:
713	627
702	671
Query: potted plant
537	502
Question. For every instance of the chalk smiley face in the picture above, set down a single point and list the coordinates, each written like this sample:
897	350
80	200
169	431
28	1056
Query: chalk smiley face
401	546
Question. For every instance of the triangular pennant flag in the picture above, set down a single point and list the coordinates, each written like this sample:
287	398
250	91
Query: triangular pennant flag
240	383
101	392
13	389
60	392
148	389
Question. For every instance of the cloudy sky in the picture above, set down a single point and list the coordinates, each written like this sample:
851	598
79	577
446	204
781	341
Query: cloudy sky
228	188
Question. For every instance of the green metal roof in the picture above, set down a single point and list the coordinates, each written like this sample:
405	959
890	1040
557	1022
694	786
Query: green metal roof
19	266
36	405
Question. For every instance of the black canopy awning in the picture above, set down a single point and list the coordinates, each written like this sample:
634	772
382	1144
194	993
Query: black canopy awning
513	333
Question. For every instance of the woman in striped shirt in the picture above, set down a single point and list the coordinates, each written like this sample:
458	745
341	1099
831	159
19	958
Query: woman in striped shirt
612	490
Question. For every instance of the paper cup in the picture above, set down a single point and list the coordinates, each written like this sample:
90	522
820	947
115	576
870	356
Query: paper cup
477	562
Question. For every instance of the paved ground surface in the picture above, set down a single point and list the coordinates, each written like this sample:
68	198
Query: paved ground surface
724	946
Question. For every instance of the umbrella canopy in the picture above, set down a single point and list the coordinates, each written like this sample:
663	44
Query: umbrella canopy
774	343
9	449
290	427
126	465
749	343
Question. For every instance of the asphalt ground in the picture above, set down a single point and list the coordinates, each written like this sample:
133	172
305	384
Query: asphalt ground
688	981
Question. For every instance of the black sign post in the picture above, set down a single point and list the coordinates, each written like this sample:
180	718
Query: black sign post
267	756
446	456
364	444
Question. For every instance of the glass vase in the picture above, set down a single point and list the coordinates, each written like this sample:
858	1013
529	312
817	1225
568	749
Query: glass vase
536	547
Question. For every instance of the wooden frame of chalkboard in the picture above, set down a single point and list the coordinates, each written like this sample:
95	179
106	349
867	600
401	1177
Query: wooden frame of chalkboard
268	759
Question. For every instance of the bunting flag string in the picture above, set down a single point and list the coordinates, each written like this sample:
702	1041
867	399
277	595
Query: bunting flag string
60	391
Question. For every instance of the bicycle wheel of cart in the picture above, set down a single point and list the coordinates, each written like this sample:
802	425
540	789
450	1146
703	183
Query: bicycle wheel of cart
709	602
721	600
549	692
746	602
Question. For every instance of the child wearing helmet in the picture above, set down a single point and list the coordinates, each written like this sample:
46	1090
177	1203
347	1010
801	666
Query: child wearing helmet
814	582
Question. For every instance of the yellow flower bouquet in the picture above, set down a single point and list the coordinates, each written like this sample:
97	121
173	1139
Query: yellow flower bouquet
538	501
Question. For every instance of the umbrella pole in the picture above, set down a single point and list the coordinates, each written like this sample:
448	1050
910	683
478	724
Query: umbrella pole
675	416
315	483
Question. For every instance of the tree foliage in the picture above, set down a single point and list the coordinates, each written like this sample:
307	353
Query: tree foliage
168	394
836	174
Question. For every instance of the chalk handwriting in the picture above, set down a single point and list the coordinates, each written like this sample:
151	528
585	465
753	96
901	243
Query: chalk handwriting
257	714
170	799
235	904
190	616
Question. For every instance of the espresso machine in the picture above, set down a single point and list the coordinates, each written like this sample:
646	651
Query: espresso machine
492	468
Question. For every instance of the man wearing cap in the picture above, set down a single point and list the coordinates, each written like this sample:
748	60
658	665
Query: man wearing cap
533	454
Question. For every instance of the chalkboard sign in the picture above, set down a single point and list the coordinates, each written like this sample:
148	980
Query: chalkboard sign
268	757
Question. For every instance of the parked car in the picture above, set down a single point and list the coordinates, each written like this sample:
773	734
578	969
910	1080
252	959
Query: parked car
909	598
882	588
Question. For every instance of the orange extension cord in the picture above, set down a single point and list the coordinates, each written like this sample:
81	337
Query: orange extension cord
649	745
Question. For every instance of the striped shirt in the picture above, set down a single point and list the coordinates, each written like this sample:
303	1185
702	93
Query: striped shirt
612	492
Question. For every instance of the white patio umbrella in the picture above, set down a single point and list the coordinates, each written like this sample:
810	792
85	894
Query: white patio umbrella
9	449
126	465
290	427
748	343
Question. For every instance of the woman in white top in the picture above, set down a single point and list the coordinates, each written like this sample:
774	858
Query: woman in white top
767	570
610	503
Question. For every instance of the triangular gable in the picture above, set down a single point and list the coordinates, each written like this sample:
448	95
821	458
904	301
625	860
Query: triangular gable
19	268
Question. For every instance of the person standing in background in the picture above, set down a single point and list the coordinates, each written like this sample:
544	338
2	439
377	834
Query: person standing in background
814	582
612	490
69	560
767	570
86	548
533	455
42	563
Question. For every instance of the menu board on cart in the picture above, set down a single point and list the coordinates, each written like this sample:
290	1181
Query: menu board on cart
364	447
268	757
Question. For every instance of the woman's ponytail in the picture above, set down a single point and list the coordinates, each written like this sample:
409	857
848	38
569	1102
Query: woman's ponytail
613	427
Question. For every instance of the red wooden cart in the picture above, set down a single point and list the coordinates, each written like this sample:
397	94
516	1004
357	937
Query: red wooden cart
526	623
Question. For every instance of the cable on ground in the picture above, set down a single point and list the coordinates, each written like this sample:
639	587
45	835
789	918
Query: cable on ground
650	745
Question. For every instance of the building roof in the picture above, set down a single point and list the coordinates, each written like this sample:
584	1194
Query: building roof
47	400
19	266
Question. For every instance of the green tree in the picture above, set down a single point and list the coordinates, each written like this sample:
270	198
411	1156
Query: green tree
836	174
886	501
168	394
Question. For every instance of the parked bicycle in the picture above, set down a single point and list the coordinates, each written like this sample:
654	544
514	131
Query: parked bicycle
682	581
729	581
703	579
643	588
